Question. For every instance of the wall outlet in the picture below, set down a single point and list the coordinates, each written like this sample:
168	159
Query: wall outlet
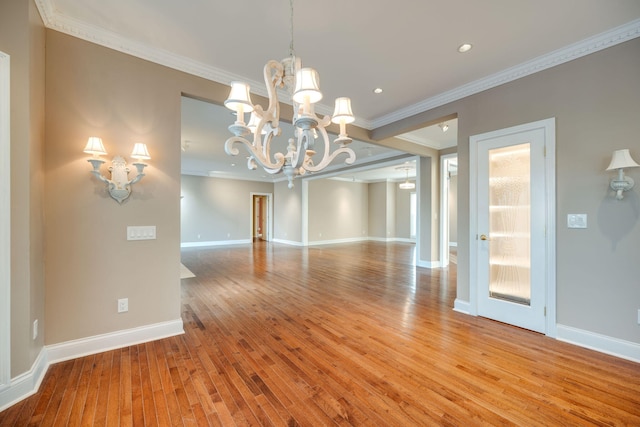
123	305
35	329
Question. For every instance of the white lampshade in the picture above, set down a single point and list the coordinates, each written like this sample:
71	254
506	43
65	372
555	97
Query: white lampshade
94	146
307	85
140	152
253	123
621	160
239	98
342	112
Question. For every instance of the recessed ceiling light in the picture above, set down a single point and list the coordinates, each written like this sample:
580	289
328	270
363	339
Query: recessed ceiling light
233	164
464	48
377	90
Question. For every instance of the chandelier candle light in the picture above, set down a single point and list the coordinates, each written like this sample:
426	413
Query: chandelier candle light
303	87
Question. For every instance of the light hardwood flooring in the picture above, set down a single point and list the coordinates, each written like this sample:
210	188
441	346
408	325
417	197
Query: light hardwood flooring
335	335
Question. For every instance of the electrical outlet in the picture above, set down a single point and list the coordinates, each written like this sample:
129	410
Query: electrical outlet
35	329
123	305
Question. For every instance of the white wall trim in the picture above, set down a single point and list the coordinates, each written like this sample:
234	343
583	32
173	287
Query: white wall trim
338	241
604	344
214	243
105	342
461	306
288	242
5	221
28	383
25	384
56	21
428	264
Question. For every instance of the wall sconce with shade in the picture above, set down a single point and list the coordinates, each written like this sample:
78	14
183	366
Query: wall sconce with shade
119	185
621	160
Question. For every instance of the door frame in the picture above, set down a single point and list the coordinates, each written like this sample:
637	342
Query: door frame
549	128
269	219
5	221
444	207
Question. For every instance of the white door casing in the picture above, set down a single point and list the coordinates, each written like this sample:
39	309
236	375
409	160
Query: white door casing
5	223
539	313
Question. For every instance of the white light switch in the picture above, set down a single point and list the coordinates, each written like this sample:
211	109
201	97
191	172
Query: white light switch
577	220
144	232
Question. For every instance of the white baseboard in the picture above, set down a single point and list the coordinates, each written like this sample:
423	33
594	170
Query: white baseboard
26	384
461	306
428	264
338	241
288	242
602	343
214	243
105	342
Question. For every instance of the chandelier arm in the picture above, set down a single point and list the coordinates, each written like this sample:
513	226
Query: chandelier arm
328	159
255	152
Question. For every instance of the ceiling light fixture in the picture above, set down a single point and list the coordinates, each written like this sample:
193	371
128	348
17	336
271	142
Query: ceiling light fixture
466	47
444	126
302	85
377	90
406	185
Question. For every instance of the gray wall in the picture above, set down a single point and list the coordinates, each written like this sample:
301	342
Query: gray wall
453	209
287	211
217	209
403	212
378	210
337	210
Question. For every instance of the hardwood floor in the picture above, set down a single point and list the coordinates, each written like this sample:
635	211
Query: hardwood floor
343	335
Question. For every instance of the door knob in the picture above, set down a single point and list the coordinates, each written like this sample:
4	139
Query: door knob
484	237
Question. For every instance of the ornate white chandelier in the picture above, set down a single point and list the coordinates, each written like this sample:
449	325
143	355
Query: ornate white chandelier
302	85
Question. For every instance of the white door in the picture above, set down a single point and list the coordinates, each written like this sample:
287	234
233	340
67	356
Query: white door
511	230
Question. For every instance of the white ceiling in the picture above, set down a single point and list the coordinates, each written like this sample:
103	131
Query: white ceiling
406	47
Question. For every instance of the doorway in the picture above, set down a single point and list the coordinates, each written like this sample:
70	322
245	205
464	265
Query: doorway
260	217
512	222
448	207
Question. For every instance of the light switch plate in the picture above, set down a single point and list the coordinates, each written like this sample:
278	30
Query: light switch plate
144	232
577	220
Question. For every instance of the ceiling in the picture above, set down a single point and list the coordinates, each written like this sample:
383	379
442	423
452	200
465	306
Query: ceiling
409	50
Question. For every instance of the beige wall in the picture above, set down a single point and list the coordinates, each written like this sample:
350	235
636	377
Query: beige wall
217	209
337	210
378	210
287	211
22	36
403	212
92	90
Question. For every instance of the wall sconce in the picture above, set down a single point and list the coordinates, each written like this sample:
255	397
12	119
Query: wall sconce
119	185
621	159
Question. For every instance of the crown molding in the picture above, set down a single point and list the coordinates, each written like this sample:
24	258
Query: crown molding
577	50
56	21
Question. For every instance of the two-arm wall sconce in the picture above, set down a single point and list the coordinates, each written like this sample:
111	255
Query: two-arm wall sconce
621	159
119	185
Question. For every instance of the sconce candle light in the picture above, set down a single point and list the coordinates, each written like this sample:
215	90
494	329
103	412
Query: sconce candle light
621	159
119	185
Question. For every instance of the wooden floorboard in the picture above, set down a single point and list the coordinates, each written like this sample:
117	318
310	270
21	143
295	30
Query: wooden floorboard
343	335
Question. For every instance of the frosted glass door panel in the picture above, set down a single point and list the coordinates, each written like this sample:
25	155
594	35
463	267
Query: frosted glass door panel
509	223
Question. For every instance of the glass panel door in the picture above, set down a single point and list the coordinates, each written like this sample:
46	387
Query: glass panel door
509	223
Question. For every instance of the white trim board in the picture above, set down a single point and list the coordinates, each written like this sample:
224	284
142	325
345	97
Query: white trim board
5	221
28	383
604	344
214	243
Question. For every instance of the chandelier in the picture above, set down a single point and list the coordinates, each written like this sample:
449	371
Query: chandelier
302	84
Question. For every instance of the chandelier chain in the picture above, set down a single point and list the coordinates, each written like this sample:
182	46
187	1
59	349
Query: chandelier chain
292	51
